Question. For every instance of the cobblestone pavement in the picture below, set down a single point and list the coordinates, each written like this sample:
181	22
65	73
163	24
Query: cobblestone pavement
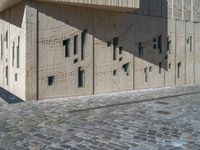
155	119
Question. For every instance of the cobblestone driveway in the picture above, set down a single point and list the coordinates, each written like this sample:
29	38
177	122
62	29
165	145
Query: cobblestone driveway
161	119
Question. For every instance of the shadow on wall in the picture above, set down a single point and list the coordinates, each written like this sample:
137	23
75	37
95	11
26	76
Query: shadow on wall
9	97
142	32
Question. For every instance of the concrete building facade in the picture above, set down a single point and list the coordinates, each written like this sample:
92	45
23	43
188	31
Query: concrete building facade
53	48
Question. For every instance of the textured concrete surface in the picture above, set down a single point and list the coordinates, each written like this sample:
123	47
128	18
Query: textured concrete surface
155	119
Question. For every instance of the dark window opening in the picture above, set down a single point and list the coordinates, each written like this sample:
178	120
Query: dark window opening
150	69
126	68
141	50
16	78
109	43
146	74
81	77
18	57
66	43
160	68
75	60
13	54
168	44
115	45
178	70
6	39
154	43
83	43
160	44
120	50
190	43
51	80
114	72
7	75
120	59
169	66
75	44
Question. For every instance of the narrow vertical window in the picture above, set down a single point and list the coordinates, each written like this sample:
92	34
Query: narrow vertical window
115	45
83	43
160	44
81	77
16	78
154	43
126	68
66	43
6	39
1	46
75	44
160	68
190	43
179	69
13	54
141	50
146	74
168	44
18	52
6	75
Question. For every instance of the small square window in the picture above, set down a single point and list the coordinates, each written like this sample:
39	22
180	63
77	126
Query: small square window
114	72
51	80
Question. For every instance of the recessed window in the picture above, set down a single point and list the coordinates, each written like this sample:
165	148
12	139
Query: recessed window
81	77
75	60
126	68
6	75
109	43
168	44
51	80
75	44
150	69
114	72
83	43
13	54
16	78
160	68
120	50
141	50
146	74
190	43
18	52
169	66
115	45
66	43
154	43
160	44
179	70
6	39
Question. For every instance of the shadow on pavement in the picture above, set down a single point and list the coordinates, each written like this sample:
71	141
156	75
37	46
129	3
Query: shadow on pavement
9	97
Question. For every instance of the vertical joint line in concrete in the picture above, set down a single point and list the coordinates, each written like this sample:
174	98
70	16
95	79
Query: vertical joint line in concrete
37	56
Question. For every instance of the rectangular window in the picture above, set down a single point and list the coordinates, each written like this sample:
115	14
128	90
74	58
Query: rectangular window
18	52
178	70
13	54
120	50
6	39
81	77
1	46
114	72
115	45
6	75
168	44
160	44
16	78
17	56
160	68
146	74
190	43
83	43
126	68
66	43
154	43
141	50
75	44
51	80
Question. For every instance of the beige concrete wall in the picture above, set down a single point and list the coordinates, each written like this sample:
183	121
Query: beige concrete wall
14	24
